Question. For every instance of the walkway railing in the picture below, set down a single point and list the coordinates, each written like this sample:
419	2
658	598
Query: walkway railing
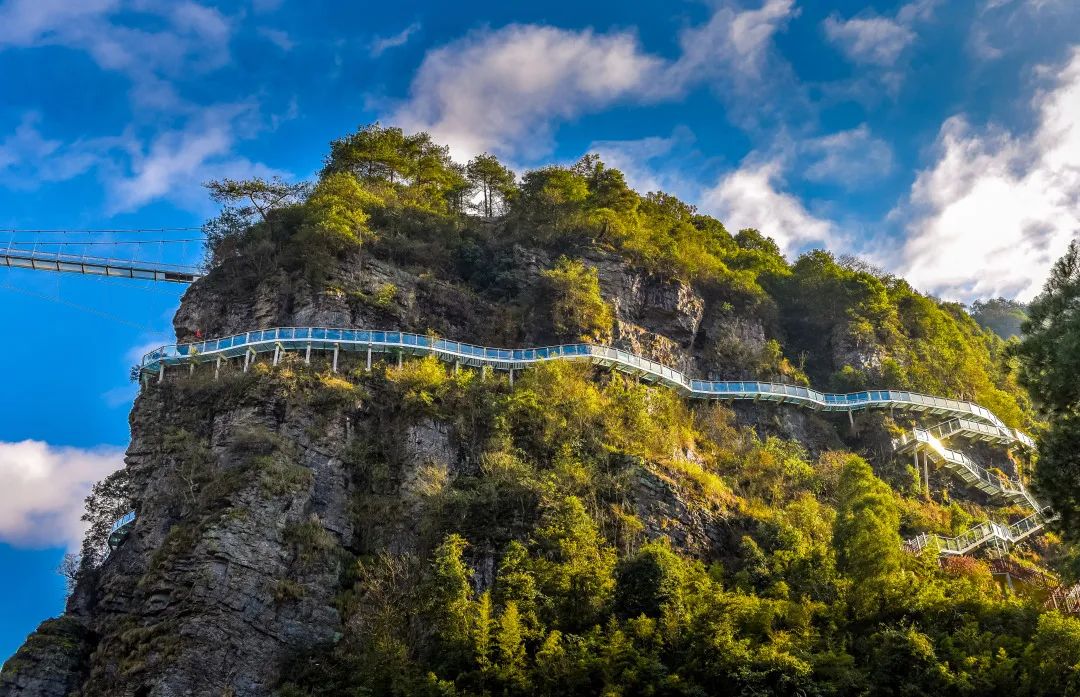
980	431
363	340
966	417
955	462
973	474
120	529
978	536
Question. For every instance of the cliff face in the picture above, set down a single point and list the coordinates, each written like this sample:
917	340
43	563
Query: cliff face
257	491
662	318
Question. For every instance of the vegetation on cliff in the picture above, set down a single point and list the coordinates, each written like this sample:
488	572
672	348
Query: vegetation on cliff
400	197
421	530
1050	357
810	595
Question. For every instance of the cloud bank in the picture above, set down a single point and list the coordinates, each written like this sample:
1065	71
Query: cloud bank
995	209
41	500
504	90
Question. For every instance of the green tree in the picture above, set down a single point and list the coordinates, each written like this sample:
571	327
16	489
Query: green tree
494	182
576	566
577	308
1002	316
336	214
867	539
451	602
417	170
246	203
1050	363
511	644
372	153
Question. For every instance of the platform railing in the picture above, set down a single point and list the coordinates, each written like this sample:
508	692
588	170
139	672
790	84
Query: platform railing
358	340
120	529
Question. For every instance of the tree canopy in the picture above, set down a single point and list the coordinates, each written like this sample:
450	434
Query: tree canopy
1050	364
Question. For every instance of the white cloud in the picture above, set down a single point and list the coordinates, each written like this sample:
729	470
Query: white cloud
277	37
172	165
732	43
176	163
191	37
503	90
384	43
153	43
996	209
875	40
635	159
750	197
28	158
43	488
851	158
494	90
1004	27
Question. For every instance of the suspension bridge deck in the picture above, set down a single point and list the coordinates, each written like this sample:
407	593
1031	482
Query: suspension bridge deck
98	266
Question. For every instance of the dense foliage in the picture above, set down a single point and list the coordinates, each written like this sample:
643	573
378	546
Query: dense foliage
1002	316
837	323
888	335
536	574
1050	359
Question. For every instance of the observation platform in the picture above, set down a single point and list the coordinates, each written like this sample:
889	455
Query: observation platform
120	529
306	339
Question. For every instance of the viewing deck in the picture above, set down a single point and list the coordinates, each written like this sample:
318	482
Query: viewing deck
307	339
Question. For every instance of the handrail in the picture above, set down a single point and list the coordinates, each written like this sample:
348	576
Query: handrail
987	482
979	535
298	338
98	266
960	464
120	528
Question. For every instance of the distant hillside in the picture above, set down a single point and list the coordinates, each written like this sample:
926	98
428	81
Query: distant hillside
1002	316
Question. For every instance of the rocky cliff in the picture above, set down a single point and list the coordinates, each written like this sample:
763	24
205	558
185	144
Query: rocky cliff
252	492
413	529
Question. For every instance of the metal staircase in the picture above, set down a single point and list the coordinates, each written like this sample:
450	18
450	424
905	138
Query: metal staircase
979	536
964	468
959	464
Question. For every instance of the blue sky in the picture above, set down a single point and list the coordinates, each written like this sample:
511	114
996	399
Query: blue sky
937	139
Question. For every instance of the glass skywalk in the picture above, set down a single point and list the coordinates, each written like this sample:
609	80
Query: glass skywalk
361	340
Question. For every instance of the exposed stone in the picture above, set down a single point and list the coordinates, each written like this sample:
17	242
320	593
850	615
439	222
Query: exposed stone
215	601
